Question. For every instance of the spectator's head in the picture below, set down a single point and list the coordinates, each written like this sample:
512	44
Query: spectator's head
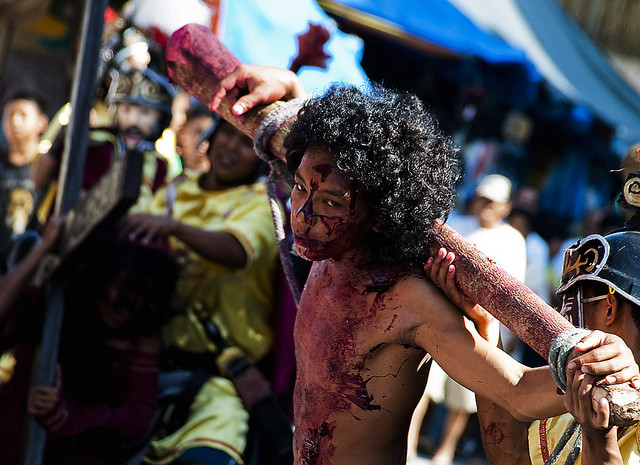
188	146
24	118
142	105
491	202
129	286
386	153
233	160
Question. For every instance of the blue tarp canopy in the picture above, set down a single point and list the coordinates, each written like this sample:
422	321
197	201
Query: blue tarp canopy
434	22
564	55
264	33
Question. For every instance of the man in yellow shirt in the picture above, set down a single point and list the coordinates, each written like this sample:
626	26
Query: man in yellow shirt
220	226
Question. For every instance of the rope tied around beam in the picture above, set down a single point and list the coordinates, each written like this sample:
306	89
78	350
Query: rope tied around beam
561	348
270	125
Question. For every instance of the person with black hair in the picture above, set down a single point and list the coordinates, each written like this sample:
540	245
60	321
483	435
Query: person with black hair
104	397
372	174
24	119
192	153
219	224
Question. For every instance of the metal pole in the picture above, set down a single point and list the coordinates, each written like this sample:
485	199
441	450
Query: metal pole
82	94
70	184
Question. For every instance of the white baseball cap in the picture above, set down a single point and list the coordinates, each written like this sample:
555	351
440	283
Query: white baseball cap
494	187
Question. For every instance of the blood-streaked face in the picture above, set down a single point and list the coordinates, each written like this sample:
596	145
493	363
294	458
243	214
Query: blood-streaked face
328	218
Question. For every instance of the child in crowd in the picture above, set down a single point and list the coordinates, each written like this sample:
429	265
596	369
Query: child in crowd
192	153
24	119
101	405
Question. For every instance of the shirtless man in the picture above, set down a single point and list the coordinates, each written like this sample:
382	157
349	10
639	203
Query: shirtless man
372	173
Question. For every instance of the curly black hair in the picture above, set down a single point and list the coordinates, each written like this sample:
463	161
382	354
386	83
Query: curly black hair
394	153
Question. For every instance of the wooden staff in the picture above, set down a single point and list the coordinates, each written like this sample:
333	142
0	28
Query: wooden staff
198	62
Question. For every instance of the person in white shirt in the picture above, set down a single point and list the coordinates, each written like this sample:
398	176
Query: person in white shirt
506	246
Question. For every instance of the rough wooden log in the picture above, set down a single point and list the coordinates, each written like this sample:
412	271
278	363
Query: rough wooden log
506	298
198	63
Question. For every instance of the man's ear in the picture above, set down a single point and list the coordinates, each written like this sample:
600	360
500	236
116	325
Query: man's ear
613	309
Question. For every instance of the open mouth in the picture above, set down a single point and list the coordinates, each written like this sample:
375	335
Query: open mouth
305	242
133	137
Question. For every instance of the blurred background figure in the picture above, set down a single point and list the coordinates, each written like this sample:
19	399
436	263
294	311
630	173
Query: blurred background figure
490	206
103	400
193	153
219	225
24	119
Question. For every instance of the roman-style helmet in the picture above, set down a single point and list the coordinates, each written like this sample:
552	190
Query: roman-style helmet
613	259
144	87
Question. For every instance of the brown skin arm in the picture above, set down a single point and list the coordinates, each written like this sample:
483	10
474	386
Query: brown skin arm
468	358
13	283
600	441
216	246
504	437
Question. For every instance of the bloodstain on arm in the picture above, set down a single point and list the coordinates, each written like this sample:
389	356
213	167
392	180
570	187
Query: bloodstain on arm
505	439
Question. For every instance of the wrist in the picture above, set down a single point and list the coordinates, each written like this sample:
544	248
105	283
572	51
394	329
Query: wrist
599	436
600	446
173	228
56	418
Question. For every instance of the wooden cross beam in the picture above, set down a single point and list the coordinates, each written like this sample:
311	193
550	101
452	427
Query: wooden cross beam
109	199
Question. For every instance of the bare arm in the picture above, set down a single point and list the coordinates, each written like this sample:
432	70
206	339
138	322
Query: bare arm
504	437
14	281
478	364
217	246
599	440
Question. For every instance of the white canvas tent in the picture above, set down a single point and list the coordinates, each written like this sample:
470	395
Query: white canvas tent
565	57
